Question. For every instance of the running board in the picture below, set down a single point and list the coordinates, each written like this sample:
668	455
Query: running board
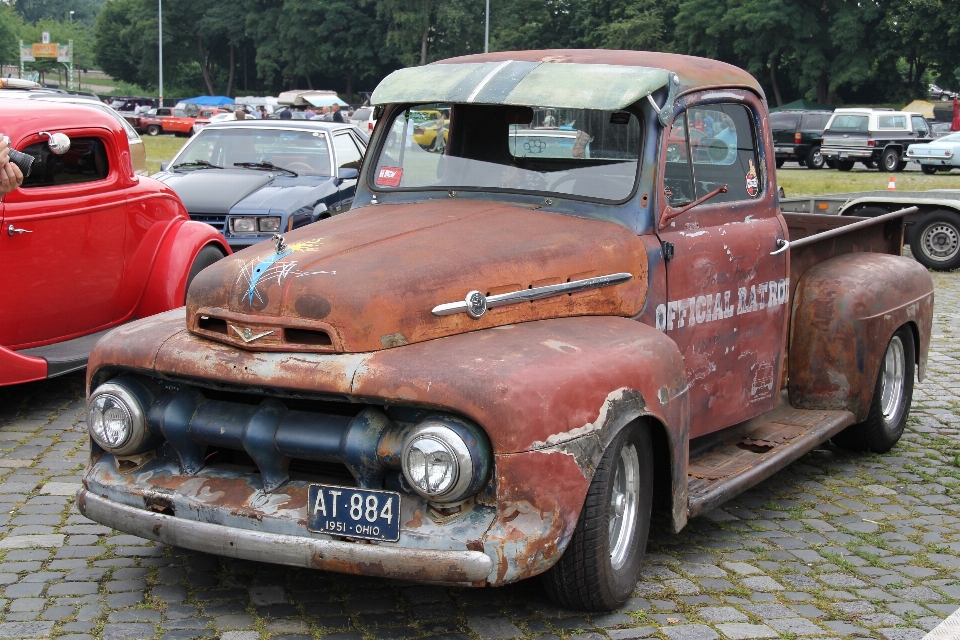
725	464
68	356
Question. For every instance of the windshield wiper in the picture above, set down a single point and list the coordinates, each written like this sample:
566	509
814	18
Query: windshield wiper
264	165
202	164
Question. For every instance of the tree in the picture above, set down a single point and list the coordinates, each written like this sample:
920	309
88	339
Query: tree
10	27
33	11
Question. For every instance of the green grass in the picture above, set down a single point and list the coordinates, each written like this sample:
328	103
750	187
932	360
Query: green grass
161	149
804	182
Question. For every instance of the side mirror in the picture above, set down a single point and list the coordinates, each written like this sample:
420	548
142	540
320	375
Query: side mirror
164	166
348	173
59	143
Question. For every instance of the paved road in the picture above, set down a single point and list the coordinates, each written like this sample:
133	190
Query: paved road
835	546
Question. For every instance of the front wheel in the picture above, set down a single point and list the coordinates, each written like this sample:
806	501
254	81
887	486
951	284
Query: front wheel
936	241
928	169
814	159
891	399
207	256
599	568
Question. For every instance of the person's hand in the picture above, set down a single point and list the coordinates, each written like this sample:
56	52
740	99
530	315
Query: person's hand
10	175
4	151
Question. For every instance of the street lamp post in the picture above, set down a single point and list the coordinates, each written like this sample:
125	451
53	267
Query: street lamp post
160	21
486	32
71	16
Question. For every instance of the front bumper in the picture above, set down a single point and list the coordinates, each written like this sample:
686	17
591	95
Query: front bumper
426	565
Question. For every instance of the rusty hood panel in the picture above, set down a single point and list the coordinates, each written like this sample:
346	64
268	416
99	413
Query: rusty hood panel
370	278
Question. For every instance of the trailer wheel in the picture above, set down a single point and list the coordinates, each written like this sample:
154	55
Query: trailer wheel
814	159
892	396
928	169
599	568
936	240
844	165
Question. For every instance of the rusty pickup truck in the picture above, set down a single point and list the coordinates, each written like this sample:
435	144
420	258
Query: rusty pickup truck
584	307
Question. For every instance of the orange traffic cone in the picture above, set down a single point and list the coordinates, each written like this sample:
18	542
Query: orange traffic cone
892	185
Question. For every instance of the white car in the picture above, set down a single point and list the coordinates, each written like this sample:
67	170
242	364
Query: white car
220	117
942	154
363	118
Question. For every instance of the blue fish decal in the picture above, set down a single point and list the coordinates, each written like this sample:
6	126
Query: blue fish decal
258	272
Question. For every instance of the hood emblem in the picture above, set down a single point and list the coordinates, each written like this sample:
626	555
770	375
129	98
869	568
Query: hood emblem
247	334
279	243
476	304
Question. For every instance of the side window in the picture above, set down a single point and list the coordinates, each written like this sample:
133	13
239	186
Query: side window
723	151
180	113
348	156
86	161
919	124
891	122
677	172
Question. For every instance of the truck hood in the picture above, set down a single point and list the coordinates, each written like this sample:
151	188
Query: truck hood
214	190
370	279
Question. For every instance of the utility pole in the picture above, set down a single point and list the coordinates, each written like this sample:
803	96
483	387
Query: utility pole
486	32
160	21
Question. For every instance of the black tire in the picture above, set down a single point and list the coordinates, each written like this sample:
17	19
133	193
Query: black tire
585	577
844	165
780	162
870	164
831	162
802	162
928	169
153	130
890	160
814	159
888	413
936	240
207	256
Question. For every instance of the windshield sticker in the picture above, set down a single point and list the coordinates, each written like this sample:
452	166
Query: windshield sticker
389	176
677	314
753	184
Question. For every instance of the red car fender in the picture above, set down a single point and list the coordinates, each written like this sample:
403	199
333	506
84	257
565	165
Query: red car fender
17	369
167	286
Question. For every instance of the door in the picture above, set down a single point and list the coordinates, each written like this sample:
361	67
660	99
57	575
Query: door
62	243
349	156
726	295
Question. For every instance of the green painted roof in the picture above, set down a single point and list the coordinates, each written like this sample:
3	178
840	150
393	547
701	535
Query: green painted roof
565	85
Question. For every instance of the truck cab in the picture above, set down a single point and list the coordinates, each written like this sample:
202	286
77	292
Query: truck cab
583	306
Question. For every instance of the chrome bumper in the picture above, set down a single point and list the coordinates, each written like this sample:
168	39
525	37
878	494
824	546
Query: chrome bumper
423	565
848	153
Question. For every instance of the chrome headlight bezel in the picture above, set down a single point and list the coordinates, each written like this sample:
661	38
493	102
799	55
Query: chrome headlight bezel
464	466
123	398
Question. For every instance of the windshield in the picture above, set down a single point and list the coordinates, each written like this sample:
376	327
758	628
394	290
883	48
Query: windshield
304	152
569	152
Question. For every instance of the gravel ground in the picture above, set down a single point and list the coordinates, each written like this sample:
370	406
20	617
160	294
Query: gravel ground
837	545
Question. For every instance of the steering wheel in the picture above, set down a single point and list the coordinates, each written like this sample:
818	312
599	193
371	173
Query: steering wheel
299	164
718	150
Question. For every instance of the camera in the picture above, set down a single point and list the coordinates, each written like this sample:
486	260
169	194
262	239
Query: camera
22	160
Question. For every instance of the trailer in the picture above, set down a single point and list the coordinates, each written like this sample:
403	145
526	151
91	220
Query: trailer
933	233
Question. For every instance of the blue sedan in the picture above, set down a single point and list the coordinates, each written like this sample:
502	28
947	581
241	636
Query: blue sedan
943	154
251	179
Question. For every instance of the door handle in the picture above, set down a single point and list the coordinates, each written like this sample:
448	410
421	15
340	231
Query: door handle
12	230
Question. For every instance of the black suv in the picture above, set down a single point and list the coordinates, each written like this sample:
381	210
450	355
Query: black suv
797	136
876	137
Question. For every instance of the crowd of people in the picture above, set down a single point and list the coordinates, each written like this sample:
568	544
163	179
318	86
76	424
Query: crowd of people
332	113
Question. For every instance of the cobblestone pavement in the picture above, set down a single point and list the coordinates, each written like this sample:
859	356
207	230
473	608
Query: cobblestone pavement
834	546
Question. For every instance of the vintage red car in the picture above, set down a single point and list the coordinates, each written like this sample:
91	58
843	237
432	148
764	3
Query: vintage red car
513	349
85	243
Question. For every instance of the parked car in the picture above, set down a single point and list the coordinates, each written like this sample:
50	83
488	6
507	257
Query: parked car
87	244
363	118
876	137
943	154
251	179
798	135
138	154
496	367
208	115
166	120
940	129
936	93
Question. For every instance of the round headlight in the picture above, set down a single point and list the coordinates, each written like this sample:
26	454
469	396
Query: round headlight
115	419
437	462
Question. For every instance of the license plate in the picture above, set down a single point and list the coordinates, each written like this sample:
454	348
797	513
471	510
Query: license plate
842	154
355	513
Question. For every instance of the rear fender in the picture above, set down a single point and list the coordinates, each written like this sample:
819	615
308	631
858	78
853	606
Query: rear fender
167	285
845	311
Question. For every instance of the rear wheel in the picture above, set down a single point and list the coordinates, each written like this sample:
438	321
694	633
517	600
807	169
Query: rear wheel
844	165
814	159
928	169
599	568
780	162
207	256
890	160
936	240
891	399
153	130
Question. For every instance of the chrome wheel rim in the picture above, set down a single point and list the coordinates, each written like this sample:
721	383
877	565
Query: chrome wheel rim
891	393
817	159
891	162
940	242
623	504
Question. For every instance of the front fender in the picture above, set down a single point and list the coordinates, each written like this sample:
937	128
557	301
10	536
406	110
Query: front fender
845	310
166	287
